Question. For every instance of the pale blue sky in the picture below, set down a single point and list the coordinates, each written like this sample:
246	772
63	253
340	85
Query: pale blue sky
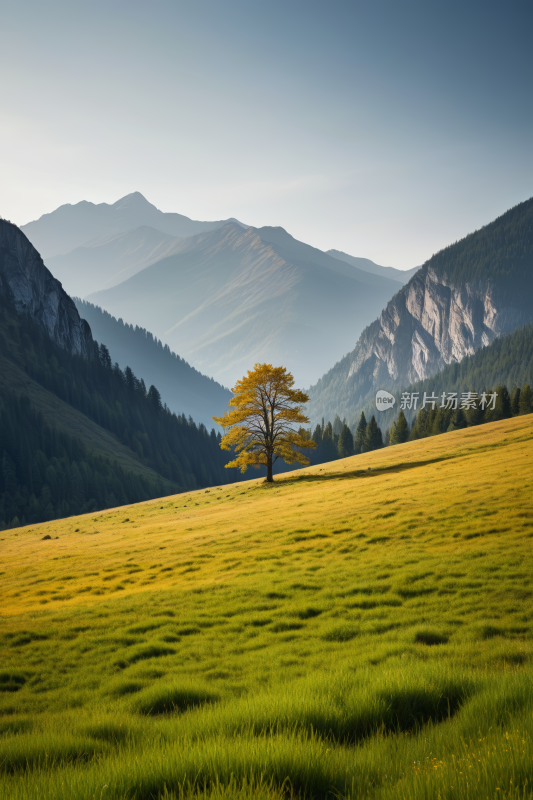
385	129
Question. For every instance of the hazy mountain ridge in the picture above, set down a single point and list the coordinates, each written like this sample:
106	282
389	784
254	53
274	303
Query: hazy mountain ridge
230	297
433	321
183	388
71	226
30	286
240	296
402	276
109	260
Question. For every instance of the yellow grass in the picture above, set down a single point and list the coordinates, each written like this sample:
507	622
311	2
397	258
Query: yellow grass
327	630
438	488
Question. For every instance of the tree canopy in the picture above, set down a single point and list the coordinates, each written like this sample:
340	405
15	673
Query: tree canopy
260	423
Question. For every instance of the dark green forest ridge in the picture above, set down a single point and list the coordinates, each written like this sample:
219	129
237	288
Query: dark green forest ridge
500	250
78	435
185	390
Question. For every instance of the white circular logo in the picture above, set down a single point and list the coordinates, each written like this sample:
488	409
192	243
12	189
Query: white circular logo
384	400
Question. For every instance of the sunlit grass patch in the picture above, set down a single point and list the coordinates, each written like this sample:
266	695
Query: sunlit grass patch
372	660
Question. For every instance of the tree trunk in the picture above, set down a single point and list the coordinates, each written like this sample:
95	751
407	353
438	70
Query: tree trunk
270	479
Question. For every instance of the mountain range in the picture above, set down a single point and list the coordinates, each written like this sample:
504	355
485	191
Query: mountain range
460	300
71	226
231	297
79	432
224	297
400	275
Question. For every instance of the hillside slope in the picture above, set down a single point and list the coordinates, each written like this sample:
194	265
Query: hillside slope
77	433
460	300
183	388
56	412
324	633
109	260
232	297
507	361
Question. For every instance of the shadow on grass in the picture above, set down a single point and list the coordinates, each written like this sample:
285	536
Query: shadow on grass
357	473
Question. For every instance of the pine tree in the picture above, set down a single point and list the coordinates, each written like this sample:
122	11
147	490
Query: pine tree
438	424
525	405
345	445
155	398
515	401
317	435
418	431
400	430
359	438
329	451
458	420
474	416
373	437
502	409
337	425
105	358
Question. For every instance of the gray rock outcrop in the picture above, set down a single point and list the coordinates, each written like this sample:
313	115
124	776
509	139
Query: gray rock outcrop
31	288
430	324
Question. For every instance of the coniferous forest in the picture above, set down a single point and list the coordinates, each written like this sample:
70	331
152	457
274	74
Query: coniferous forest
507	361
48	473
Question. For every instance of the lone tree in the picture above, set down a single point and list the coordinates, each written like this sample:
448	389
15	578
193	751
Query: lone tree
260	423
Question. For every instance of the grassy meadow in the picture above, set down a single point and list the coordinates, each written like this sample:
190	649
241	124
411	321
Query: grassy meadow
358	629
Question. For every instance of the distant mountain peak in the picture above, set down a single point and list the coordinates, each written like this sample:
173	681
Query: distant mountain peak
72	226
134	199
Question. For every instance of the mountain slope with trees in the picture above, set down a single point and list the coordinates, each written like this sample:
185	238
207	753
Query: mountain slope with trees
462	299
508	361
66	412
185	390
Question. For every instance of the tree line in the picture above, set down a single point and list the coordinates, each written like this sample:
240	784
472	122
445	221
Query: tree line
173	445
441	420
184	454
336	440
507	360
47	474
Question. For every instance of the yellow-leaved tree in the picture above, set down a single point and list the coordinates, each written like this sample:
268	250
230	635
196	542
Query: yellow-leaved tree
260	423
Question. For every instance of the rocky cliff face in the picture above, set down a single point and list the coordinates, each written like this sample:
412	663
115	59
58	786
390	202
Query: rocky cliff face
430	324
31	287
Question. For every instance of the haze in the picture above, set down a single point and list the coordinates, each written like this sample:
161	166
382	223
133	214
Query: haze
385	130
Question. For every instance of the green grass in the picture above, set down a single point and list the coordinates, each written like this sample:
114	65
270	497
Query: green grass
293	640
